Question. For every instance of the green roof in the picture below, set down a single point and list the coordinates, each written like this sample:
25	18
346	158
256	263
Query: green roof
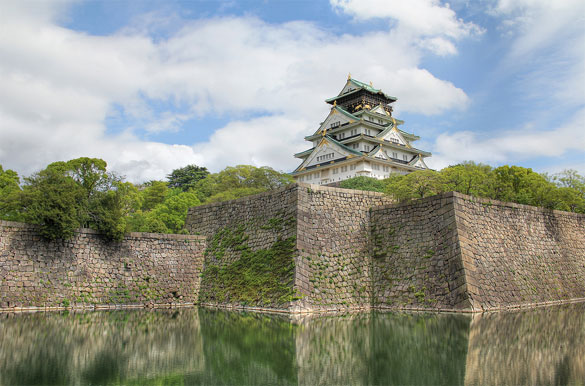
362	86
343	146
346	113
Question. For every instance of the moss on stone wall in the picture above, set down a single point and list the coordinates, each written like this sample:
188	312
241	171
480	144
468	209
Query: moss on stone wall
257	277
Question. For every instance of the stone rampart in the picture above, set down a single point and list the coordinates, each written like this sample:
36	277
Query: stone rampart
416	259
356	250
87	271
251	250
334	265
516	255
305	248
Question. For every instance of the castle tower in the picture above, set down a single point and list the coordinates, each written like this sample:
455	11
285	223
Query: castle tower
359	137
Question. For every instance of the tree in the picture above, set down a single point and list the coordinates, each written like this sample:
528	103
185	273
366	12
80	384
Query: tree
153	194
247	176
77	193
418	184
185	178
167	217
364	183
55	202
469	178
173	211
9	195
239	181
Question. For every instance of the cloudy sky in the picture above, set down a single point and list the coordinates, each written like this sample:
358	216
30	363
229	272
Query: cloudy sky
150	85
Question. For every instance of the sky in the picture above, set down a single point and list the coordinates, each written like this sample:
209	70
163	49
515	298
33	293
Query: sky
150	86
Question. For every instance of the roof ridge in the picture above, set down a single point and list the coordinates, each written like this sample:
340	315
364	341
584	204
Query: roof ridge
342	145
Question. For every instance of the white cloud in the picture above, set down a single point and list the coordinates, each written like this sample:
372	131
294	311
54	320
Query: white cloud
453	148
59	86
550	34
433	24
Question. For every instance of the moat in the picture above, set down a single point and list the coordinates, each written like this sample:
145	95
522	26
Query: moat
203	346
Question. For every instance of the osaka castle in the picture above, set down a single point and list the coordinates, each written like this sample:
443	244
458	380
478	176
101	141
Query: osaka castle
359	137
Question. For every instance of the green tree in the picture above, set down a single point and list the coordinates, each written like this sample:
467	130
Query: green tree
10	195
238	181
469	178
247	176
418	184
77	193
364	183
186	177
55	202
173	211
153	194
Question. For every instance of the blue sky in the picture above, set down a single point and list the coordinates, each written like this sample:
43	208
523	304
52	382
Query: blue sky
150	86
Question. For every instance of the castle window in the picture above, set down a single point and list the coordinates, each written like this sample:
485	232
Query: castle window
351	167
395	140
368	132
335	124
394	155
405	157
336	170
376	167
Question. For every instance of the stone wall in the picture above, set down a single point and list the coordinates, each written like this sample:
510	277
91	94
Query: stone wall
251	251
519	255
339	249
333	267
86	271
416	260
308	248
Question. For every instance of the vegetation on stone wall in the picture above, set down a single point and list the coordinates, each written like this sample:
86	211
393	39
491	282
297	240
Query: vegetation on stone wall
562	191
255	277
82	193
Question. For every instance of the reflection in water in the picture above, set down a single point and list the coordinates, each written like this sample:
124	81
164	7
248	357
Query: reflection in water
545	346
198	346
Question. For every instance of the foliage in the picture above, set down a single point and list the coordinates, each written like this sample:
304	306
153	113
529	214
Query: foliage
167	217
239	181
55	202
468	178
73	194
9	194
364	183
419	184
153	194
562	191
185	178
258	277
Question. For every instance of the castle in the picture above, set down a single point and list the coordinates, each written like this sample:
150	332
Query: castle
359	137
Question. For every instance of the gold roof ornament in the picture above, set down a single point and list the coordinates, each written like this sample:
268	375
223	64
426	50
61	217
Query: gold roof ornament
324	132
371	85
348	75
335	102
367	107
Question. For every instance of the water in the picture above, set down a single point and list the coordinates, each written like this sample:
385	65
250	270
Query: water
202	346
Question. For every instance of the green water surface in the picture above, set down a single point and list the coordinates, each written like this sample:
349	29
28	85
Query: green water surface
202	346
